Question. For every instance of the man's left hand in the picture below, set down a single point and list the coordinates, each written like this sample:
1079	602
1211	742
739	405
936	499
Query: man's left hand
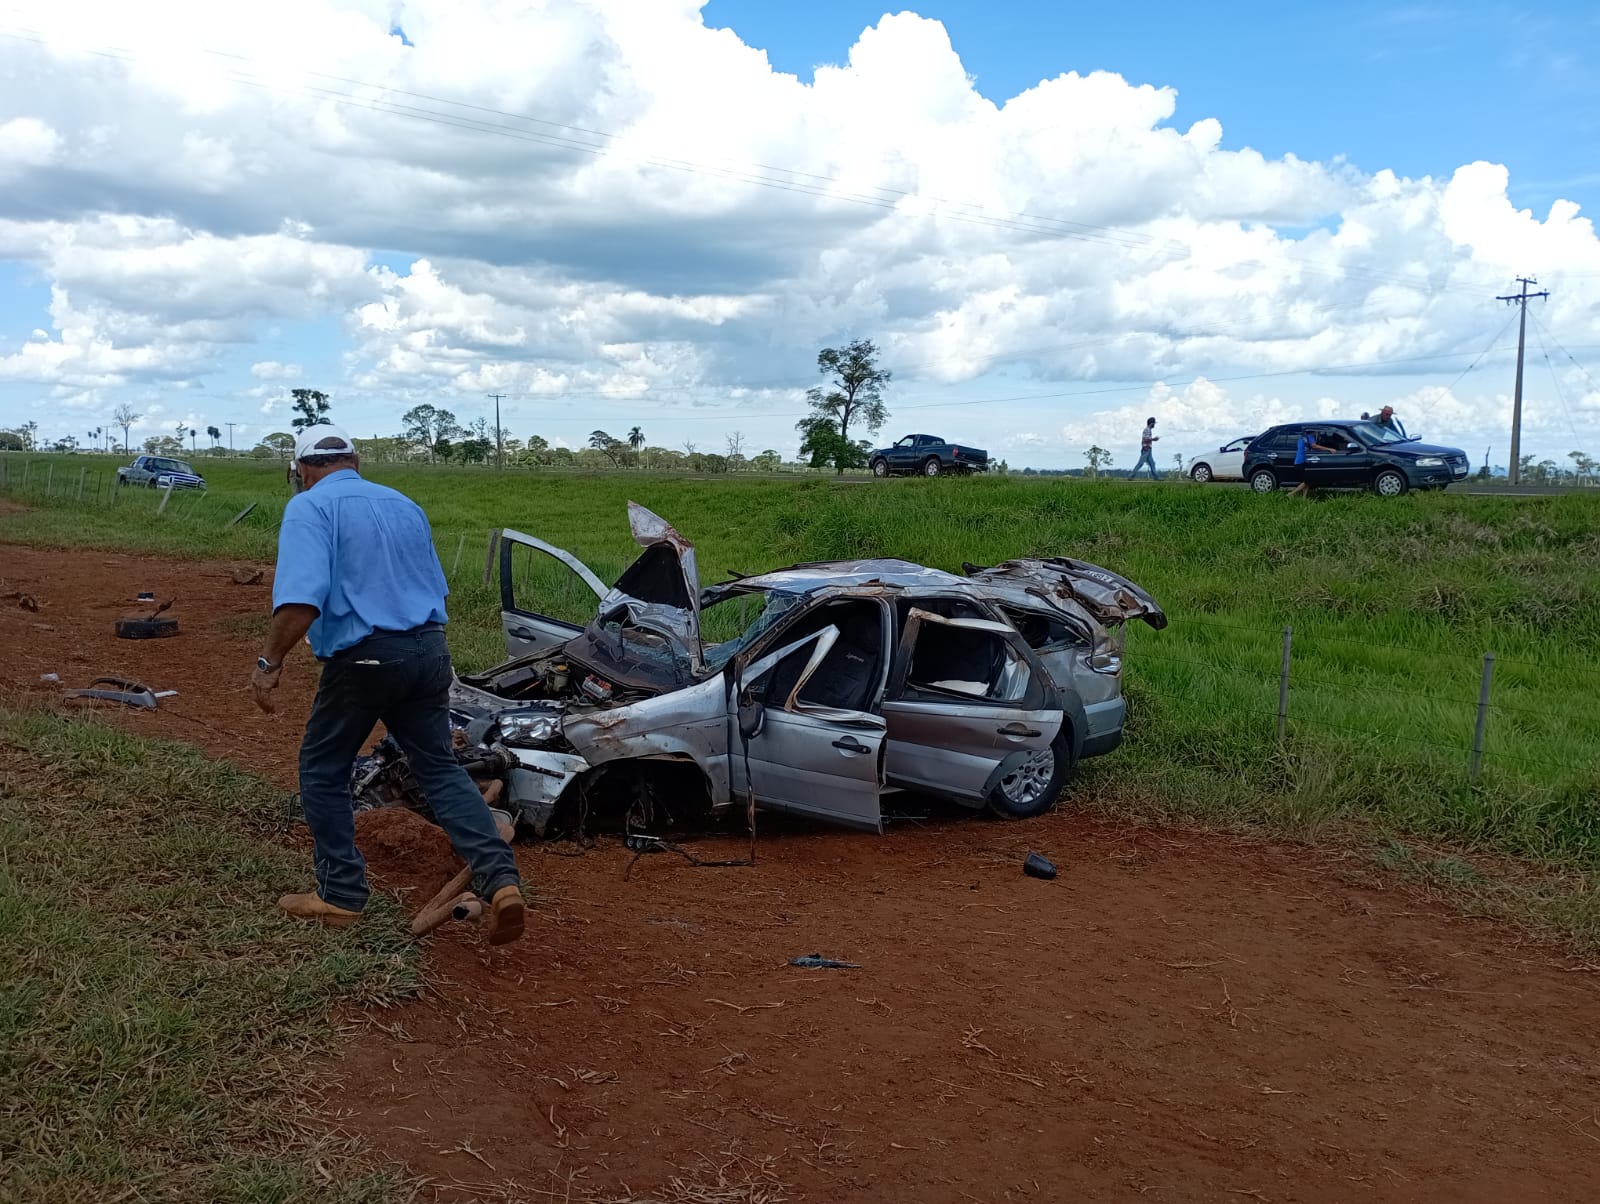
262	683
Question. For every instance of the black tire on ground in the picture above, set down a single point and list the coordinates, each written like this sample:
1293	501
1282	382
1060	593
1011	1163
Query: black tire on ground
1201	473
1390	482
880	468
931	467
145	629
1036	785
1264	480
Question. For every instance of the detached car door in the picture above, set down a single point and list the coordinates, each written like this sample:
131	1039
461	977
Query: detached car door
803	756
965	695
547	595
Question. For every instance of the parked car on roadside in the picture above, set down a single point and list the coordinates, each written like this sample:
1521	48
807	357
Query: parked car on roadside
158	472
833	686
1224	464
1365	456
928	456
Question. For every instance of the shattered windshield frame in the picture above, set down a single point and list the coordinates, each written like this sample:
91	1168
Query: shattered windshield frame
776	606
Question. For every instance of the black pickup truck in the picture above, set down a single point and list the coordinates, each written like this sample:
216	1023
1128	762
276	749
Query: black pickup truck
927	456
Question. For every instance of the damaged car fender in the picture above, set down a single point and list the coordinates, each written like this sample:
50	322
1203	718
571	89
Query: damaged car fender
689	724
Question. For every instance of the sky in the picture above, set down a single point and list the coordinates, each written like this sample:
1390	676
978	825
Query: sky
1052	221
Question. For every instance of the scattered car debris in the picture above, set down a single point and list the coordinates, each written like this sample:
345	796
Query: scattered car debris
145	595
641	845
51	678
815	961
1037	866
153	627
26	601
118	689
826	687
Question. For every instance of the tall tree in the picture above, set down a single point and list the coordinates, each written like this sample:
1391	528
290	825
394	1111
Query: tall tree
1098	458
125	416
822	446
216	435
636	438
429	427
280	443
853	394
310	408
29	431
608	445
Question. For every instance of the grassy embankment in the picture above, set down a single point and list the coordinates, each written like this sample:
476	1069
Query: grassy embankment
1393	604
158	1024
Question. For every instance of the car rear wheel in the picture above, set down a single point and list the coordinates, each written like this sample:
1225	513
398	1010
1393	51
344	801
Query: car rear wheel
1263	480
880	468
1033	787
931	467
1389	483
1201	473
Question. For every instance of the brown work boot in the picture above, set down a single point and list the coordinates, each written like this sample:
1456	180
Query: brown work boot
311	906
506	914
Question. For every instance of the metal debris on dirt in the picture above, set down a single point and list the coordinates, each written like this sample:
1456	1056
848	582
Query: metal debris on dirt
120	689
815	961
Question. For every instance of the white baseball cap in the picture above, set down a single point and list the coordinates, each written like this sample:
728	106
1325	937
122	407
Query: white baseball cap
324	439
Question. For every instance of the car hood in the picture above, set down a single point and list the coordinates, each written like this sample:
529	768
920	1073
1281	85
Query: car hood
1421	449
660	591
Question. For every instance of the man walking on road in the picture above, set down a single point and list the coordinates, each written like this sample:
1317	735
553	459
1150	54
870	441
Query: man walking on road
1147	455
357	571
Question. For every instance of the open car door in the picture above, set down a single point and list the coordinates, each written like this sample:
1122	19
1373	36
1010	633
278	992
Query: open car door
967	702
548	595
794	745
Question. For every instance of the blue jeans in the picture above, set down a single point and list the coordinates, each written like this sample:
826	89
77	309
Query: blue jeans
1146	456
403	679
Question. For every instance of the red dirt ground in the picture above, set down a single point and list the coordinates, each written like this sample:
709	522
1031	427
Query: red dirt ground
1181	1016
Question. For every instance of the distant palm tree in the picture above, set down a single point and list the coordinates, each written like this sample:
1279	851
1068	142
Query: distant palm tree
216	435
636	438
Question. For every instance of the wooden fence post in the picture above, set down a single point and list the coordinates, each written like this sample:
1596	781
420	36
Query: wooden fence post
489	555
460	546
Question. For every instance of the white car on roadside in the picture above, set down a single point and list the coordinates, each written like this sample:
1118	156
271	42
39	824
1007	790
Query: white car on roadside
1224	464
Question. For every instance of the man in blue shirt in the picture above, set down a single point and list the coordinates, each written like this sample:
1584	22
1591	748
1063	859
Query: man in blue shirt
357	573
1306	443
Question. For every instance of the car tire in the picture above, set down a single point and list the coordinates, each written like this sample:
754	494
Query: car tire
880	468
931	467
1391	482
1034	788
1264	480
1201	473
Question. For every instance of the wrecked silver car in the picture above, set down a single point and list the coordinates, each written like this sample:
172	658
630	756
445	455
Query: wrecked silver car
838	684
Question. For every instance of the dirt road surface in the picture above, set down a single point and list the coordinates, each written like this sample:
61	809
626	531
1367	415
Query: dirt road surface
1180	1016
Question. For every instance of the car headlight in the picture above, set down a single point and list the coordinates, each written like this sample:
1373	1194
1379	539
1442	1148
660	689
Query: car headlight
526	731
1430	462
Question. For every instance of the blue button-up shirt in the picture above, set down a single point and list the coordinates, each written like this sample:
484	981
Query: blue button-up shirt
363	555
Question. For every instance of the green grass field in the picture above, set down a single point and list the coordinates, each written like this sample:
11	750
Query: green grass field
1393	604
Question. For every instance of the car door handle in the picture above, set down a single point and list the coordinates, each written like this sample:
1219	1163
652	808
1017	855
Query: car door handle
1020	730
851	745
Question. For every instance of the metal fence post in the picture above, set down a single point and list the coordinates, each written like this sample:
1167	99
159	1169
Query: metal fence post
1283	683
49	477
1483	716
460	546
165	498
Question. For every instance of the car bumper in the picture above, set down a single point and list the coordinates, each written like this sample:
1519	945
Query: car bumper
1102	731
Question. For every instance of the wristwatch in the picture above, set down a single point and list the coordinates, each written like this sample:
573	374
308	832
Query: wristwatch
266	666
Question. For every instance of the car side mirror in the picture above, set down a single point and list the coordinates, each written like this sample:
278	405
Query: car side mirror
752	718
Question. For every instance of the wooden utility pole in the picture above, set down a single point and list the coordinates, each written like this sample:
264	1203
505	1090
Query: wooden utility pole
1515	467
499	443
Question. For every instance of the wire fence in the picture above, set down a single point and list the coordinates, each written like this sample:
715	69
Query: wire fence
1299	690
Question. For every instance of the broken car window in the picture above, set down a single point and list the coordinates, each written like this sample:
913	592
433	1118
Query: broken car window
732	614
960	661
